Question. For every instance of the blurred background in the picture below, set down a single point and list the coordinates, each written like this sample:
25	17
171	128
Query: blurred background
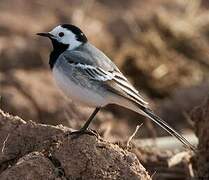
161	46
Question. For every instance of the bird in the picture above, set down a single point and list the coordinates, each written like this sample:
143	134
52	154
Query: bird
88	77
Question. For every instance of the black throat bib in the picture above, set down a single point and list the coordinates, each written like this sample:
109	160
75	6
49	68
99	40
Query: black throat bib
58	48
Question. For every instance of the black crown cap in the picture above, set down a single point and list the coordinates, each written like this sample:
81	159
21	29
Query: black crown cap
80	36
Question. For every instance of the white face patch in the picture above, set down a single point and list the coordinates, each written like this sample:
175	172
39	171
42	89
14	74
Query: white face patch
67	38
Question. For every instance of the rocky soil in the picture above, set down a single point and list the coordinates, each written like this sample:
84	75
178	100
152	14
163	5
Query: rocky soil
34	151
167	61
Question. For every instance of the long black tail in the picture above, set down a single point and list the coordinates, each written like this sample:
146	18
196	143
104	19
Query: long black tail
150	114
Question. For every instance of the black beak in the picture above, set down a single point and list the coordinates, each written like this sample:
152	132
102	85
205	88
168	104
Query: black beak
45	35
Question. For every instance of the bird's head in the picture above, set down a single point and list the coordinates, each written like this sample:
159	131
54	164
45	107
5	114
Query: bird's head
66	35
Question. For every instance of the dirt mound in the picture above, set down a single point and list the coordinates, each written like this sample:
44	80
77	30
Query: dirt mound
35	151
200	116
157	55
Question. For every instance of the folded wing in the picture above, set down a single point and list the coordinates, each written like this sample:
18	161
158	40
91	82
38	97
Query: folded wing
112	80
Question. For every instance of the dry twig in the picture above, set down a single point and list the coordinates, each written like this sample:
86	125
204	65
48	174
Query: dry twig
4	143
131	137
184	158
178	158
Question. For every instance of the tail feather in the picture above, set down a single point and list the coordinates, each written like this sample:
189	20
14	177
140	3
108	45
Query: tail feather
146	111
150	114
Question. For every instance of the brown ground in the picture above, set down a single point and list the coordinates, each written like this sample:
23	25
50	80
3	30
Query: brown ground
42	152
166	60
200	116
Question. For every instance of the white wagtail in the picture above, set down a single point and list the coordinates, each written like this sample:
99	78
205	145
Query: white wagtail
88	76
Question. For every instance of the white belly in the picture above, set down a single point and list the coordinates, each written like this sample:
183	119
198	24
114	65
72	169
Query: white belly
77	93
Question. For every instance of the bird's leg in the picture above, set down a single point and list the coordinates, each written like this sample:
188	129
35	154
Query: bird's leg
86	125
84	129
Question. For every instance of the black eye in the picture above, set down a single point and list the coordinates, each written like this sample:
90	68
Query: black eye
61	34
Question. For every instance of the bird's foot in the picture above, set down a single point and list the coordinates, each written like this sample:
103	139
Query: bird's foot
78	133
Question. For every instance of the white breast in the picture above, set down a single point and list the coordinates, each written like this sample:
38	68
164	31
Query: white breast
76	92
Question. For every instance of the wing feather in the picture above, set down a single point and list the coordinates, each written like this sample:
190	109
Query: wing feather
119	84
